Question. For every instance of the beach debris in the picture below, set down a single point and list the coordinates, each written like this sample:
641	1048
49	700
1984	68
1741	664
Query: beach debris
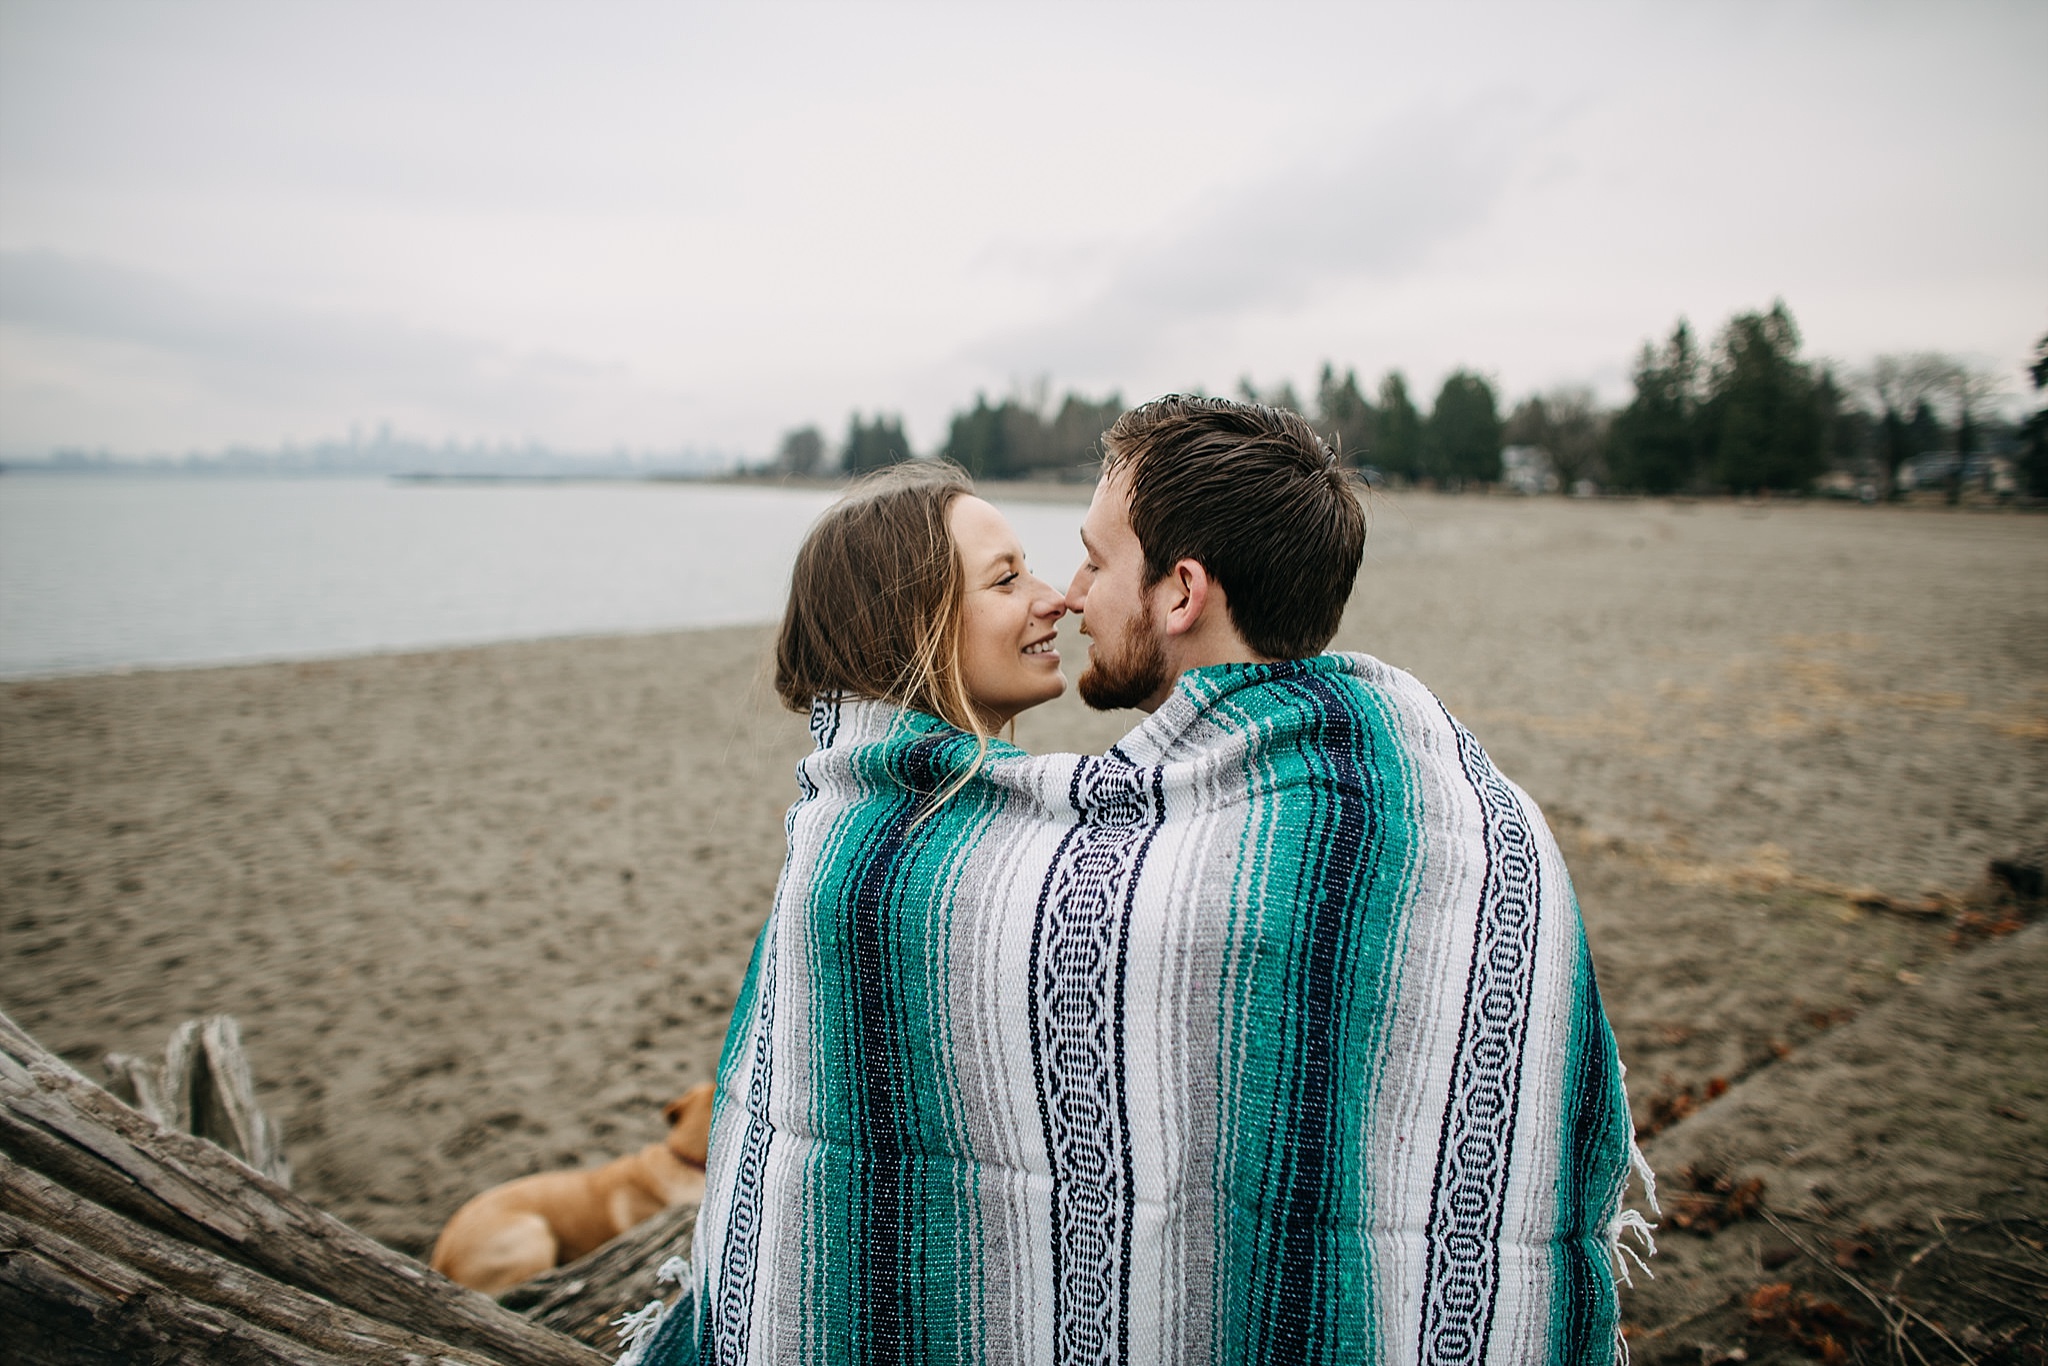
204	1087
1820	1328
2010	894
2025	874
1774	1255
1974	927
1674	1102
2009	897
1990	1279
1851	1253
126	1240
1707	1199
1985	1278
1820	1021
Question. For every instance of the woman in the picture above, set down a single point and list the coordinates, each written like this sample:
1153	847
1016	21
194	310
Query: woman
914	634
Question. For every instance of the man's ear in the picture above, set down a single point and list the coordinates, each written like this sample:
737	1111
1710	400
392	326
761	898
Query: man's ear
1186	589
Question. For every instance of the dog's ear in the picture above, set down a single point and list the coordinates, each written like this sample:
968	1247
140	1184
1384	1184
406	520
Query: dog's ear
689	1118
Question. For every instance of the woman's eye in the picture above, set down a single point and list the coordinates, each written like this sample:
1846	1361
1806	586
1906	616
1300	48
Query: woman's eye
1006	580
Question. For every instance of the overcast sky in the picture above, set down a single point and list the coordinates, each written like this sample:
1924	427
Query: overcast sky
700	225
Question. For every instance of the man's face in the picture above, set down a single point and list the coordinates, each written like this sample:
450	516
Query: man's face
1127	664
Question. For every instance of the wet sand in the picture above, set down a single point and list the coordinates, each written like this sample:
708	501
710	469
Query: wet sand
481	912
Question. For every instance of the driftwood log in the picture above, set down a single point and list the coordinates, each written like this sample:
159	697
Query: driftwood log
203	1086
124	1241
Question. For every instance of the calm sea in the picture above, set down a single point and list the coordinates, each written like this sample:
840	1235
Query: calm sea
102	573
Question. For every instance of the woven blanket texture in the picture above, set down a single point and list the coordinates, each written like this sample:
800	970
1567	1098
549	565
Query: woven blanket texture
1268	1036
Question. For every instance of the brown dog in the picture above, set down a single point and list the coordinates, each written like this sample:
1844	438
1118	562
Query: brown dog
512	1233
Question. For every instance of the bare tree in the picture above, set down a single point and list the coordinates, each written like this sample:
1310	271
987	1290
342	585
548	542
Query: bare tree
1961	388
1569	426
1970	389
1900	384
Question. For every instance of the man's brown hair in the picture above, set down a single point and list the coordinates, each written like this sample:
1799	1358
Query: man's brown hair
875	598
1253	495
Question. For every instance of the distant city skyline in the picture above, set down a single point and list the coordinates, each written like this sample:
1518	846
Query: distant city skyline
695	228
388	452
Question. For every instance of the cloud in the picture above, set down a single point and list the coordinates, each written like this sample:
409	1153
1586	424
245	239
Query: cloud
277	354
1375	210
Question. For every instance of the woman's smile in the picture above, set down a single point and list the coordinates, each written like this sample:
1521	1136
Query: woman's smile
1009	659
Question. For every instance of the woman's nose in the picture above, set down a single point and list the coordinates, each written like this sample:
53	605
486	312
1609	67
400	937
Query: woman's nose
1047	601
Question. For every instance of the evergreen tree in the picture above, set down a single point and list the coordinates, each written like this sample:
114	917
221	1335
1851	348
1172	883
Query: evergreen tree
872	447
1398	449
1283	397
803	450
1345	416
1760	407
1654	444
1461	440
2034	433
1846	430
1924	434
1074	441
1012	440
1891	445
977	441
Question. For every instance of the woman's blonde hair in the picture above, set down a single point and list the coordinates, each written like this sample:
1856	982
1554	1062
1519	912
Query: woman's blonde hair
875	599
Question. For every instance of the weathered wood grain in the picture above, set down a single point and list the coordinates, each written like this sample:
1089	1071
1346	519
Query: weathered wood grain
102	1251
203	1211
204	1086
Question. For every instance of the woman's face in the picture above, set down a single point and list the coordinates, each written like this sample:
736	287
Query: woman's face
1007	659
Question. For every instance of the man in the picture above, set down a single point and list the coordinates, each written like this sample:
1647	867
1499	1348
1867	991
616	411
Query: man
1269	1035
1225	534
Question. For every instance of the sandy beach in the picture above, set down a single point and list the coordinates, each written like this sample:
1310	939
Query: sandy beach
481	912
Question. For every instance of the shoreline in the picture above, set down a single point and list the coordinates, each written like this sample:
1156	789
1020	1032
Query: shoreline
151	668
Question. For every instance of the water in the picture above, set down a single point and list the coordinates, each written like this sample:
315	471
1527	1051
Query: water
110	573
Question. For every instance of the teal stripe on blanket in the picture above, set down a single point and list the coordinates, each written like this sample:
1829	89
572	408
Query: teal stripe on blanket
1308	1010
1597	1134
887	1132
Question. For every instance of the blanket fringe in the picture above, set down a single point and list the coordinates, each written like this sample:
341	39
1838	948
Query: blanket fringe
639	1328
1632	1223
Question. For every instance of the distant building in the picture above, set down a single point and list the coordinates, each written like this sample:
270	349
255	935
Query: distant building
1526	469
1929	469
1994	474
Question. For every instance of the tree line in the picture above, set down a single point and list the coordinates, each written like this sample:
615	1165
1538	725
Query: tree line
1745	414
1018	438
1749	415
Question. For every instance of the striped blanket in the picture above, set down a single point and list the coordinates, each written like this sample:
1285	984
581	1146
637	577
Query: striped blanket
1269	1035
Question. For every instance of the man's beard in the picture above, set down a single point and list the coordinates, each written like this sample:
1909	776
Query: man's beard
1131	676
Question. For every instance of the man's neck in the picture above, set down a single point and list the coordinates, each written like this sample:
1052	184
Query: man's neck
1184	655
1207	646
